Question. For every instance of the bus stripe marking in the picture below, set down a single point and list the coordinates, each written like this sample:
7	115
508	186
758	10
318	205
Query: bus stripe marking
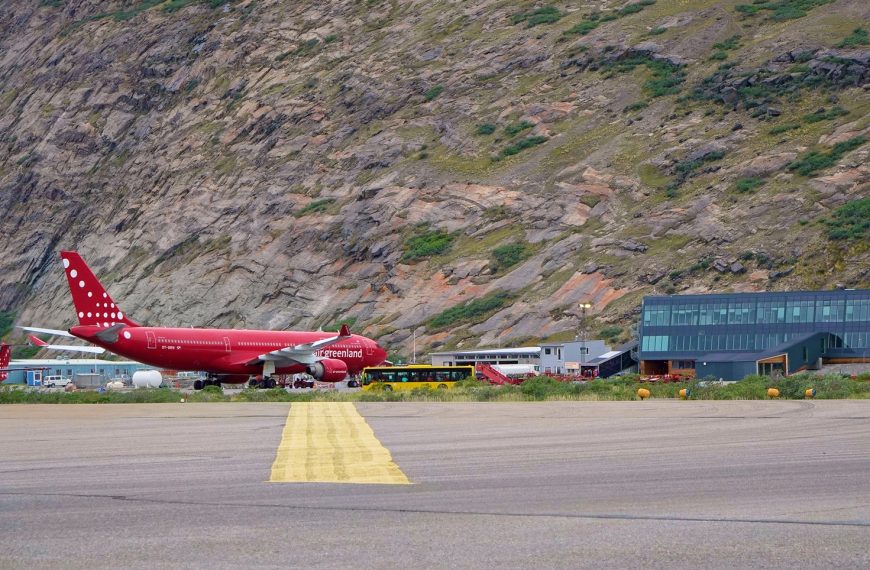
330	442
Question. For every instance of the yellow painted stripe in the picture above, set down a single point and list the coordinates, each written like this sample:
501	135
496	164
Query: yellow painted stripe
330	442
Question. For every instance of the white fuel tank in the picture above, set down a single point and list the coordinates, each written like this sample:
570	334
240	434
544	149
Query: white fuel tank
147	379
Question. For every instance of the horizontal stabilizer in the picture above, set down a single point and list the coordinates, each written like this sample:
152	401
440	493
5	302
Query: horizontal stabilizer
53	332
66	347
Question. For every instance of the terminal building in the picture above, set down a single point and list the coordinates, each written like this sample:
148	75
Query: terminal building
732	335
589	357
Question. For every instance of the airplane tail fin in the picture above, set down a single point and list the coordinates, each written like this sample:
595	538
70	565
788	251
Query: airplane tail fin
93	304
5	355
36	341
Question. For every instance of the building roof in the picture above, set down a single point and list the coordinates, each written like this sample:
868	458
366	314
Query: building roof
841	293
622	349
521	349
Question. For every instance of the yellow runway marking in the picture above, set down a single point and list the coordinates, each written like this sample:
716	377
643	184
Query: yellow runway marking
330	442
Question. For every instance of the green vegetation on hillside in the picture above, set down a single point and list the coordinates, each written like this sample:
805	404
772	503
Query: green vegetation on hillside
594	19
314	207
522	145
858	38
780	10
510	254
475	310
426	243
433	92
6	320
814	161
850	221
543	15
666	76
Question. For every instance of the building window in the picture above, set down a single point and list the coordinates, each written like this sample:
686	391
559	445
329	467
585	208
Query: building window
657	316
684	364
655	343
806	354
830	311
857	310
547	351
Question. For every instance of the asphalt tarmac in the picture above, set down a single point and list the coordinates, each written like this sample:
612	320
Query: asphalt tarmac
655	484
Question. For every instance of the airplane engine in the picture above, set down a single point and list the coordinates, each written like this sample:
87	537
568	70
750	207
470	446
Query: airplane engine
328	370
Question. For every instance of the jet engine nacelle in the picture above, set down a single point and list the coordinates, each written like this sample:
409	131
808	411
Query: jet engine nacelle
328	370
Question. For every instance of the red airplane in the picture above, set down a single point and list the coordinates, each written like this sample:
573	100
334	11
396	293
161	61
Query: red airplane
5	357
228	355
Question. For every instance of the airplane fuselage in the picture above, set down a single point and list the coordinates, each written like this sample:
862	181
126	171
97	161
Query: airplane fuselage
227	351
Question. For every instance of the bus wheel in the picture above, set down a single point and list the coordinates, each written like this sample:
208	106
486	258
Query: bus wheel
388	388
198	385
442	386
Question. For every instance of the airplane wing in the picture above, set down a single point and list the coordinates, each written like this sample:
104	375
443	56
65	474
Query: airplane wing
66	347
54	332
302	353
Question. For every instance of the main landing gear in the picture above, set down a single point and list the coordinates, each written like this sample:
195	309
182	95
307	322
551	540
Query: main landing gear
265	382
211	381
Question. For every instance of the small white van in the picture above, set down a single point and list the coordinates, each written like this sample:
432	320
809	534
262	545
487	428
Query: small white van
55	381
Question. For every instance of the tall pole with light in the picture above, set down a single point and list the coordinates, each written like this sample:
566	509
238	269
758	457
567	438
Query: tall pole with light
583	308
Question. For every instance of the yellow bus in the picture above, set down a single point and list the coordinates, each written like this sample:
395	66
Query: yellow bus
414	376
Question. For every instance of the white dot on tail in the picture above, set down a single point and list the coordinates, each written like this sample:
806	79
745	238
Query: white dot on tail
82	284
105	294
105	324
89	315
81	314
90	294
127	335
73	273
65	263
120	315
105	315
113	315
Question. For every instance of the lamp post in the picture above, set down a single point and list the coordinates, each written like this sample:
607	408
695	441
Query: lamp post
583	308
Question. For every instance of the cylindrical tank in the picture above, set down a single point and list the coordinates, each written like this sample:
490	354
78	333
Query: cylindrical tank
147	379
114	385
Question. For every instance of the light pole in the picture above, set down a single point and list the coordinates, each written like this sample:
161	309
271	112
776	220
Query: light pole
583	308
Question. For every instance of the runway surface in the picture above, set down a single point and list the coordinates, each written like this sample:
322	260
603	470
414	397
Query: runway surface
655	484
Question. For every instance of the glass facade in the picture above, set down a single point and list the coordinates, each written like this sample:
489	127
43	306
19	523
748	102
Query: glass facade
687	326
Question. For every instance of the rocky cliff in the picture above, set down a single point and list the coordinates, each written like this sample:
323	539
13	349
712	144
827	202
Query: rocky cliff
465	171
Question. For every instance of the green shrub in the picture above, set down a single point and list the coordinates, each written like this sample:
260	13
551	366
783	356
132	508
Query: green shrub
718	55
745	185
475	310
824	115
510	254
731	43
858	38
666	76
781	9
785	127
486	129
426	244
814	161
433	92
635	7
850	221
583	27
6	320
315	207
543	15
635	107
330	38
657	31
522	145
590	200
610	332
518	127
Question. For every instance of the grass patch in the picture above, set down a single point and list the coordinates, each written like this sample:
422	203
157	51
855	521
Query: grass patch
824	115
731	43
510	254
485	129
543	15
657	31
583	27
522	145
780	10
518	127
785	127
814	161
746	185
666	77
858	38
635	107
434	92
315	207
6	320
426	243
472	311
850	221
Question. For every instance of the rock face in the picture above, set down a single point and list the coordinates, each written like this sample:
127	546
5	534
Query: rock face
266	164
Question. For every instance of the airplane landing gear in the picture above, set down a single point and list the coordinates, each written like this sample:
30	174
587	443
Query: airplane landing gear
262	383
212	381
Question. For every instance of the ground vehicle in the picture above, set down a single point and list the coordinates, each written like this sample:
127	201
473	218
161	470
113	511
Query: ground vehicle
53	381
414	376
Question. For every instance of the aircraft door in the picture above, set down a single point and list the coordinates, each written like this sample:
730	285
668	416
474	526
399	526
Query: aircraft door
152	340
227	343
